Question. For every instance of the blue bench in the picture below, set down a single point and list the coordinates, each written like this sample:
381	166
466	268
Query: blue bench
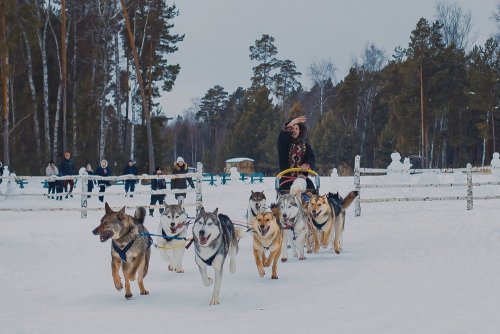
210	178
257	178
224	178
21	182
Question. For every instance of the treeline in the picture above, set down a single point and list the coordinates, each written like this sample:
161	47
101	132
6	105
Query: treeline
435	100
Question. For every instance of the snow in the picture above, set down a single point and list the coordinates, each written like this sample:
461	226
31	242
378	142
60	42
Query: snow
239	160
411	267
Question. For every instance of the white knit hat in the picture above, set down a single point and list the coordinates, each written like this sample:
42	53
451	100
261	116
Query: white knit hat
179	159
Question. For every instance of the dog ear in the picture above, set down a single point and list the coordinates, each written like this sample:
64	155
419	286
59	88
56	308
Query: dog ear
216	210
107	208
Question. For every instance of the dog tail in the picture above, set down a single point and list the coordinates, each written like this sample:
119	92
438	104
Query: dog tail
239	232
299	186
349	199
140	214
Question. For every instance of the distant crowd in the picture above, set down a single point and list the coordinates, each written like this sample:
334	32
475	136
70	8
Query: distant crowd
57	189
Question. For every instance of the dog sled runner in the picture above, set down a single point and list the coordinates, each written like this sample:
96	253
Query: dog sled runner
284	179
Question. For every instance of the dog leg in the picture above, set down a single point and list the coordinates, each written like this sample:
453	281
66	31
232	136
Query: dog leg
126	275
217	264
274	274
258	262
143	271
115	266
233	251
178	254
339	224
284	249
300	243
202	266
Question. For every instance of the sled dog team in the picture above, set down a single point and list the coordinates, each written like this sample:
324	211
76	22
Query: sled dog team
291	222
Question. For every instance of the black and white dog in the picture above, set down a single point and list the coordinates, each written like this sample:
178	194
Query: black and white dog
214	239
256	205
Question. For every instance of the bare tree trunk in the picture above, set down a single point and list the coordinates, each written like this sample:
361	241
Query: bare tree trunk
5	85
59	98
118	92
64	37
103	126
422	123
42	37
141	88
125	130
132	125
36	123
74	82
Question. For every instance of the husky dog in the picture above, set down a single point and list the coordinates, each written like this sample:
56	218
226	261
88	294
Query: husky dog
256	205
215	238
327	214
172	241
130	246
267	236
292	217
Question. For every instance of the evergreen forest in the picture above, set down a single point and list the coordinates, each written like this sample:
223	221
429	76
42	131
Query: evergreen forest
84	76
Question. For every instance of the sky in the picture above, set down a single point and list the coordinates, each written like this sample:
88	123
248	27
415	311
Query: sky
215	50
414	267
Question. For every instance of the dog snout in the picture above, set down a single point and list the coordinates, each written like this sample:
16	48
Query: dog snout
202	233
96	231
172	224
285	215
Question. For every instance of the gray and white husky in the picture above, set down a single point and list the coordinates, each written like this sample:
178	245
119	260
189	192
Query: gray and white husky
256	205
173	230
294	220
215	238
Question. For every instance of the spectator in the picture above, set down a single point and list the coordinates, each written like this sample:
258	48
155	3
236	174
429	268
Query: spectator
51	171
90	183
130	169
180	167
66	167
104	171
157	184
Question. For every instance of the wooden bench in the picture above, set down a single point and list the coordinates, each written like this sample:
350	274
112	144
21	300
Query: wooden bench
257	178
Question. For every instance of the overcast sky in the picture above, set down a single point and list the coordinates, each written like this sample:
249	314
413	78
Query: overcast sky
219	33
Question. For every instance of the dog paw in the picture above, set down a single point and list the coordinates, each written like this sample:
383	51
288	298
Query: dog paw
284	259
119	286
179	270
302	258
128	295
261	271
170	268
274	277
337	251
145	292
208	282
214	301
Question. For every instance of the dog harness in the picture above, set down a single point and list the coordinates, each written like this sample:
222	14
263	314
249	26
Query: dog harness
318	226
208	261
168	239
123	252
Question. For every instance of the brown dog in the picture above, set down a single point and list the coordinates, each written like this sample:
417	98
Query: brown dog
130	246
328	225
267	237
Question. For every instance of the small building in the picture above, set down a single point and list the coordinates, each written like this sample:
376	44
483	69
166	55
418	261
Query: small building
243	165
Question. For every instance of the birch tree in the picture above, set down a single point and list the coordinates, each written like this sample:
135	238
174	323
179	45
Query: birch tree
322	73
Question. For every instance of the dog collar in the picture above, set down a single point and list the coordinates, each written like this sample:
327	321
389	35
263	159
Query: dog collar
208	261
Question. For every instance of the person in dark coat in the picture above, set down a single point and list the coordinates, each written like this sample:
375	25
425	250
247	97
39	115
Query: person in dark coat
130	169
66	167
157	184
104	171
293	151
180	167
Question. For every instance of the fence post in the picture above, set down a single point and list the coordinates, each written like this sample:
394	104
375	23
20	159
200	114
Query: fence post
470	203
199	195
83	200
357	182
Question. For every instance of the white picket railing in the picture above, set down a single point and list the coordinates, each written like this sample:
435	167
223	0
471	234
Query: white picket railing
196	177
468	196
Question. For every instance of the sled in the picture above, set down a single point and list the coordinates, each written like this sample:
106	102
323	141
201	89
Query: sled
282	178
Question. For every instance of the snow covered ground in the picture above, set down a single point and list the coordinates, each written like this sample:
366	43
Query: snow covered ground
417	267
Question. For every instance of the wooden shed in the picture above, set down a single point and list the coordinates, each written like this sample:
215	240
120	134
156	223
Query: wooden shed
243	165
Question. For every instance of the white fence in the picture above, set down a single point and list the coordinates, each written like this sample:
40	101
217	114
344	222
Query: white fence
468	185
83	181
